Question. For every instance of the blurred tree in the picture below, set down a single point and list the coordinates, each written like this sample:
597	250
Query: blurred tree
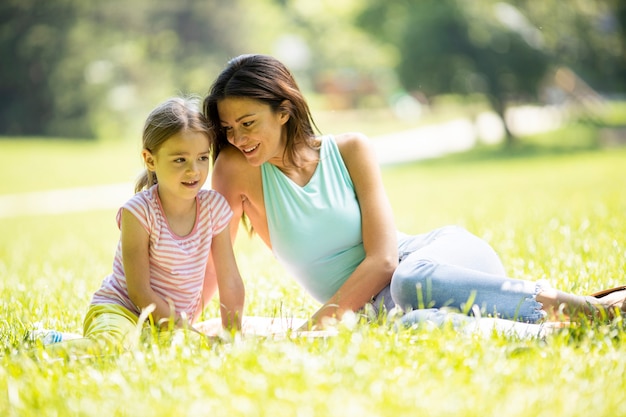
34	40
75	68
82	69
587	36
452	46
138	56
328	53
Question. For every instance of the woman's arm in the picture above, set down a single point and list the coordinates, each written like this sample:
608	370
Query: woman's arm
227	179
229	282
379	232
136	262
241	184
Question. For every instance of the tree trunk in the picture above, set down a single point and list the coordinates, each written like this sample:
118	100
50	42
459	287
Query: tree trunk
498	106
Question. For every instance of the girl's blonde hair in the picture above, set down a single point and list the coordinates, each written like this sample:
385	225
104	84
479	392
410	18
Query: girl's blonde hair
167	119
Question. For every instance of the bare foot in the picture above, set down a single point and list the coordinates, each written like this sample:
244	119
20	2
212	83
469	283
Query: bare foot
614	303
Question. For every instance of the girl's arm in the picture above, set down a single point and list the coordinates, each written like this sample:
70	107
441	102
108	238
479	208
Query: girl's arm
209	286
136	262
224	181
229	282
379	232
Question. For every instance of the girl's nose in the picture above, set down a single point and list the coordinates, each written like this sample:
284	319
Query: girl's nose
192	166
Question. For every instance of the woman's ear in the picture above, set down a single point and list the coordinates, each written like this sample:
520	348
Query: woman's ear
284	111
148	159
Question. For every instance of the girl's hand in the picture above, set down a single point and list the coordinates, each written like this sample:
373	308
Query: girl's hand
229	282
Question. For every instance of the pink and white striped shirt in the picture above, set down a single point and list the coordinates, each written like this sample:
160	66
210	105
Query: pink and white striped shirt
177	264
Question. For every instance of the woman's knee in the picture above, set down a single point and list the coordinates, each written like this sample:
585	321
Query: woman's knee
459	247
409	282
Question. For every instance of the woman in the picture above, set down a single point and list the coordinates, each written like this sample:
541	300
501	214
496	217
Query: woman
319	204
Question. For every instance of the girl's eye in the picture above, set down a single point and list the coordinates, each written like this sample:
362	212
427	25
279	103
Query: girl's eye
204	158
179	160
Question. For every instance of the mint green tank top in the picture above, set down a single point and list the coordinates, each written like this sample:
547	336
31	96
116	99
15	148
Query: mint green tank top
315	230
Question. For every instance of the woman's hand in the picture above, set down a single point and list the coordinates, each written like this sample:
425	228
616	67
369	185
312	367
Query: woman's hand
378	229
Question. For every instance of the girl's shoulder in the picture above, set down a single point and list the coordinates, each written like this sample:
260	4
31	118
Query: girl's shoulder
144	205
146	198
212	200
209	195
213	205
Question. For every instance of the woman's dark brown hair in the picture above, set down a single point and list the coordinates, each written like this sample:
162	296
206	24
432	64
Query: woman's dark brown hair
263	78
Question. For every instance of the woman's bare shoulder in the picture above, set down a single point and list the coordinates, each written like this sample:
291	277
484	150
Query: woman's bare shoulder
353	144
231	170
230	161
351	139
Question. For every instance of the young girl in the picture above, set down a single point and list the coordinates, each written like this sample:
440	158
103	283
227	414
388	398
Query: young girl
171	232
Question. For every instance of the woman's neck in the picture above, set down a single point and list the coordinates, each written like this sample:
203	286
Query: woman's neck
301	167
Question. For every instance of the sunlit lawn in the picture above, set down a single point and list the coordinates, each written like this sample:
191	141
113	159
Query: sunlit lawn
42	164
558	217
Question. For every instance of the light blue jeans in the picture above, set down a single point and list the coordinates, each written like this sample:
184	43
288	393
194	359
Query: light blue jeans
450	267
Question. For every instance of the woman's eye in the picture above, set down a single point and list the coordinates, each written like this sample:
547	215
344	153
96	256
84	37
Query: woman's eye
247	124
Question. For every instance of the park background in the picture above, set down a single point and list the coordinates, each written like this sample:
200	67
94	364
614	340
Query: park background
535	89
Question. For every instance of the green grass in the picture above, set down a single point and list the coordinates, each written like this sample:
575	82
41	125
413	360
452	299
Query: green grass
41	164
555	216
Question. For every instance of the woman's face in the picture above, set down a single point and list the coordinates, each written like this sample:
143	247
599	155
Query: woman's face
252	127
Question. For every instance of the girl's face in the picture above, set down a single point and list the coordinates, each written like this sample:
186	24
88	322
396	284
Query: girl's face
181	164
252	127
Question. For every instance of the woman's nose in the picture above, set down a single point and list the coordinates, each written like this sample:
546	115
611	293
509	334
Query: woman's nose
236	135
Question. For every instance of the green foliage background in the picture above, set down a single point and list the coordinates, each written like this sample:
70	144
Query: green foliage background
71	68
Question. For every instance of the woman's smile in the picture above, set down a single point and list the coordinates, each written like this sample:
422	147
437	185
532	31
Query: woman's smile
248	124
250	149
